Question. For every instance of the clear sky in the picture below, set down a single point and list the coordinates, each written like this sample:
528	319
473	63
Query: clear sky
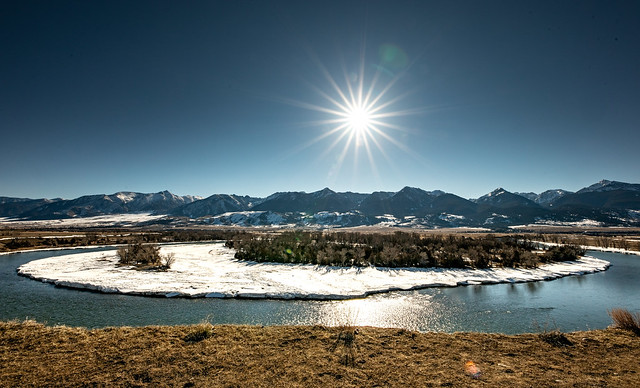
244	97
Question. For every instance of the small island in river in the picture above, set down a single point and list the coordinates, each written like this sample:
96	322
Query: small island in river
213	270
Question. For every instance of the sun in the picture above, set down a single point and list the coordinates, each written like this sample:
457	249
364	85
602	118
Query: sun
359	120
360	111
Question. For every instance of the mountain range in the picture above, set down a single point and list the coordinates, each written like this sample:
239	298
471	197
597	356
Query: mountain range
606	203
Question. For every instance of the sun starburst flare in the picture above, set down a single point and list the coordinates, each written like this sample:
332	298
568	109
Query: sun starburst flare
359	119
360	114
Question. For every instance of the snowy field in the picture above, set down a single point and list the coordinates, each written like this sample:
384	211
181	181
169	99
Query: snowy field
209	270
120	220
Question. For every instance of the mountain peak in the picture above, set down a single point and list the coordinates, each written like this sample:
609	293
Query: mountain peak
607	202
409	189
323	193
496	192
503	199
412	193
547	197
125	196
607	185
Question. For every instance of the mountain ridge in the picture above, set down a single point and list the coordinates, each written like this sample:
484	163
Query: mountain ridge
606	202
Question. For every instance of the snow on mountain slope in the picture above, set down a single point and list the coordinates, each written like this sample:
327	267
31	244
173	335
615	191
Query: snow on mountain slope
606	185
606	202
502	198
545	198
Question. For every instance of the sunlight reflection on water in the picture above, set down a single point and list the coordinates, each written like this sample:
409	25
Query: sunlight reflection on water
570	303
410	310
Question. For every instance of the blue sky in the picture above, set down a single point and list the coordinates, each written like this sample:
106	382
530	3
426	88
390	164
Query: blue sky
228	97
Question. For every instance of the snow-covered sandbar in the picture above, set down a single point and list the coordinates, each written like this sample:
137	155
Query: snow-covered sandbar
209	270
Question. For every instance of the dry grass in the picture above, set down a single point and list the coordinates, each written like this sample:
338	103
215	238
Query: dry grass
623	319
199	332
552	336
555	338
346	344
32	354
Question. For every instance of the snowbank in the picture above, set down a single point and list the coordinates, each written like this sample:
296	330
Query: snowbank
209	270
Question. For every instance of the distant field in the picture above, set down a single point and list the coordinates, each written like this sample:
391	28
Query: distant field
23	239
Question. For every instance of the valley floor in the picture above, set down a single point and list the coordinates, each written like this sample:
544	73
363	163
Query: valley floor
32	354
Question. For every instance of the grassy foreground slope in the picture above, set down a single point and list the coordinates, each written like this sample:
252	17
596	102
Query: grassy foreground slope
32	354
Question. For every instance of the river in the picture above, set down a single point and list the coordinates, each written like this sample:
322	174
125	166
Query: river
568	304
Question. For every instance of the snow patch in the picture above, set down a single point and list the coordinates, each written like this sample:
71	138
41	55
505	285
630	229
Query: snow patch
584	223
451	217
209	270
126	197
128	219
247	218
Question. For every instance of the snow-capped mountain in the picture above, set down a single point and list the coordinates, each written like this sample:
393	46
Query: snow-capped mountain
605	185
155	202
118	203
502	198
546	197
14	207
603	195
406	202
323	200
215	204
604	203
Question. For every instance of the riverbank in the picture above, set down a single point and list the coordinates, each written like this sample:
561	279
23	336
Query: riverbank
32	354
595	248
210	270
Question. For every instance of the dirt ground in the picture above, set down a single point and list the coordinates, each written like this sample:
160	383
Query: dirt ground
32	354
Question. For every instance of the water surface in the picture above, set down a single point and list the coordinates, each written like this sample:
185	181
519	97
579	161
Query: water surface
568	304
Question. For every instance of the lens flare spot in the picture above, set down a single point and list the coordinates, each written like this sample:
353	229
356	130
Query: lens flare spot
393	57
471	369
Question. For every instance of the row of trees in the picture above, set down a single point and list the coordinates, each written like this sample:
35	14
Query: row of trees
395	250
619	242
109	237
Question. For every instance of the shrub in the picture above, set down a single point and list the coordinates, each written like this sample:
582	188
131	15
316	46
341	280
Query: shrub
168	260
623	319
200	332
555	338
144	256
564	253
18	243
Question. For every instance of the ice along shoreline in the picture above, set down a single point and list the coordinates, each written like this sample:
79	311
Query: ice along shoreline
210	271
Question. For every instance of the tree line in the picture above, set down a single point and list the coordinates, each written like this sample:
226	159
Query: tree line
108	237
399	249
